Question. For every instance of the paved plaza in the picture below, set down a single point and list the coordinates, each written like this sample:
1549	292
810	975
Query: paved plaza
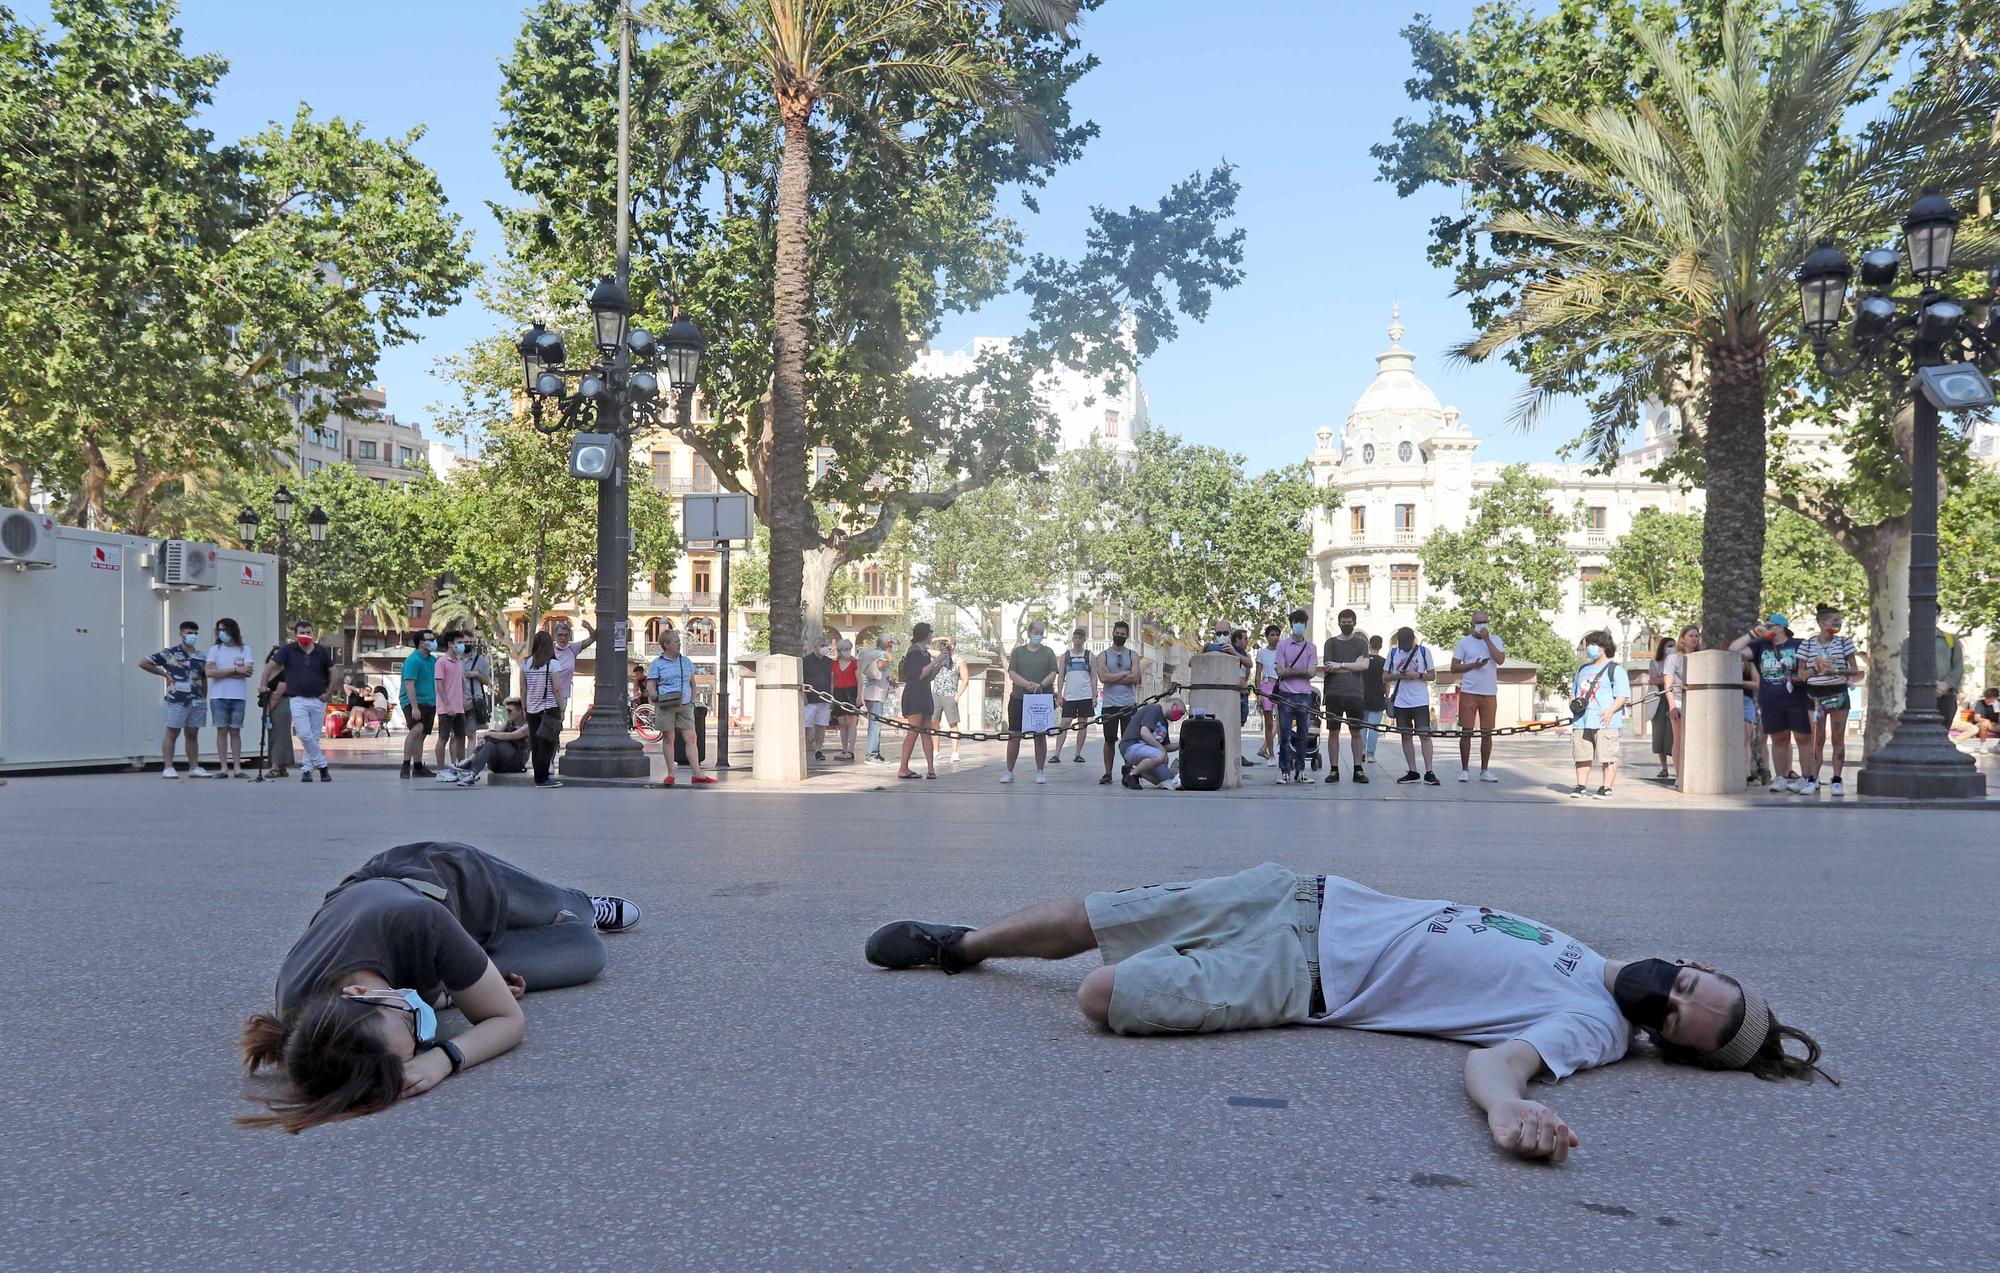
741	1090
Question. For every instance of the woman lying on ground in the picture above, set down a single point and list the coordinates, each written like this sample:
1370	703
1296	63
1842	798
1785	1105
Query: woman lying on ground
356	1026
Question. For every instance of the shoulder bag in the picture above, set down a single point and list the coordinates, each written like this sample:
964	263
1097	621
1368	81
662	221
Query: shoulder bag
1581	703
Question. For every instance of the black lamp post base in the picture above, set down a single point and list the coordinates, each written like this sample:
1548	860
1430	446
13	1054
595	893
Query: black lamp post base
1919	763
619	756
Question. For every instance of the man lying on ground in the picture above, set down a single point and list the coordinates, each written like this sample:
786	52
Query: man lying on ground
1266	947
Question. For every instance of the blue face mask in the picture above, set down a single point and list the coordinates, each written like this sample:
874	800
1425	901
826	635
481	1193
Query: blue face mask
1034	638
1592	653
431	646
190	638
423	1021
1298	629
459	648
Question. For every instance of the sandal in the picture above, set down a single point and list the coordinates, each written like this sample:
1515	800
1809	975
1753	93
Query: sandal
909	775
932	775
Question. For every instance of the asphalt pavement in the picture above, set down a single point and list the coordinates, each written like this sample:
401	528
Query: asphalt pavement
742	1090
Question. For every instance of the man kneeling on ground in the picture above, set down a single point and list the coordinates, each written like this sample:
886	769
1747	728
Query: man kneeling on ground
1266	947
1145	744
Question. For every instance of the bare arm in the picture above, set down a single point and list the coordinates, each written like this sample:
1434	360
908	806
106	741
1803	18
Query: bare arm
1495	655
497	1026
1496	1079
149	667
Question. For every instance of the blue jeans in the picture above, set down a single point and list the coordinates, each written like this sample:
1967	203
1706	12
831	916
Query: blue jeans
874	728
1294	713
1374	717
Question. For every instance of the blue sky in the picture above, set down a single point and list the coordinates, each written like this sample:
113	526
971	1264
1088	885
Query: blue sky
1291	91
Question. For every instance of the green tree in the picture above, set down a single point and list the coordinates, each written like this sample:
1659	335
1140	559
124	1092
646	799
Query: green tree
1652	575
1969	554
1511	560
1805	569
920	121
166	295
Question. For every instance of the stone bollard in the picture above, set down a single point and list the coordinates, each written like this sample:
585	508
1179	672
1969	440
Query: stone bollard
780	753
1223	704
1713	760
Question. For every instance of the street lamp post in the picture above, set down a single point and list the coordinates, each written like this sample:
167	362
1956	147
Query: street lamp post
247	523
1947	355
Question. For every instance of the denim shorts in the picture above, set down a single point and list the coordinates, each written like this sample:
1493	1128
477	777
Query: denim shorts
226	713
1234	953
185	715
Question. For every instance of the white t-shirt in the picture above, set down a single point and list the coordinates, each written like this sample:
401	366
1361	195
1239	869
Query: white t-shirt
1469	973
874	675
1480	680
1267	664
565	668
226	656
1410	693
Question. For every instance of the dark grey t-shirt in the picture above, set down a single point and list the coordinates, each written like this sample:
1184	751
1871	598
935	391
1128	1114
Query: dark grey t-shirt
411	937
1152	716
1344	649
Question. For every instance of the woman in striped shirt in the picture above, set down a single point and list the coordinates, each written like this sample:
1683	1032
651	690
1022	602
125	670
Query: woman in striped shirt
540	695
1829	665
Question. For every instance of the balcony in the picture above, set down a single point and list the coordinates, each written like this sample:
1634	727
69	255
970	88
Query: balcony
698	649
878	605
1596	539
648	599
1404	538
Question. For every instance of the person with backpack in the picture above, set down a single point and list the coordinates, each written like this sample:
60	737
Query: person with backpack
1599	695
1408	672
1297	663
1079	691
1118	672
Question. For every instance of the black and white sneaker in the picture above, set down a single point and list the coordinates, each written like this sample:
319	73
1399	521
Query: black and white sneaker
910	943
614	914
1576	792
1602	793
1431	780
1408	778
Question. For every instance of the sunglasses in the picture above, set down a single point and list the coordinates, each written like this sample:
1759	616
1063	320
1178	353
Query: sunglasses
423	1021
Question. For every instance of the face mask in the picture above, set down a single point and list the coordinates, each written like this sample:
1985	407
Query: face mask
1591	652
1298	629
1347	627
1117	638
190	638
431	646
305	643
1034	638
459	648
1667	649
1175	713
1641	990
425	1021
1479	629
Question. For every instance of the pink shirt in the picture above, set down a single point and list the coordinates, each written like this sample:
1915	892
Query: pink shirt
1294	652
450	685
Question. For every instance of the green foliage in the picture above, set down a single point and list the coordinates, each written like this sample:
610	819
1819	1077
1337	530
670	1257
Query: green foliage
374	555
1512	561
165	295
1969	554
1804	570
1652	575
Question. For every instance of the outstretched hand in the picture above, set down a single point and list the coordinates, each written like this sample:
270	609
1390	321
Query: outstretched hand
517	985
1531	1130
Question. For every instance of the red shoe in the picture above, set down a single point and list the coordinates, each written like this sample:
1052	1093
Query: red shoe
667	781
703	780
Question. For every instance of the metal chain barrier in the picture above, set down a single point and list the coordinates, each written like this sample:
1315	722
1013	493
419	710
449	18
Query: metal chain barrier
982	735
1533	727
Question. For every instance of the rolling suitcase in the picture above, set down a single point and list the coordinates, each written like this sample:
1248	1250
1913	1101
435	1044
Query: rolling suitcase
1202	754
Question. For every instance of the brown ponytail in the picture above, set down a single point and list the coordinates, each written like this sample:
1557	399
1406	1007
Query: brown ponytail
335	1057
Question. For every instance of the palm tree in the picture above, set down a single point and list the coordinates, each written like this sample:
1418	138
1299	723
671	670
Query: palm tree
1714	192
805	53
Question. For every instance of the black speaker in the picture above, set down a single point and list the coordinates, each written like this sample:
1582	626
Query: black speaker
1202	754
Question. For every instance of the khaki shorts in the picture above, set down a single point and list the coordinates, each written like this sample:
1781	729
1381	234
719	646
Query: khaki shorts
1600	745
677	717
1234	953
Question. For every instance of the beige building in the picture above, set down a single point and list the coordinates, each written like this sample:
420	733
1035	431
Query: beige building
379	446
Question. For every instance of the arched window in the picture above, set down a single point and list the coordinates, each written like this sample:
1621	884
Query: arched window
701	631
653	631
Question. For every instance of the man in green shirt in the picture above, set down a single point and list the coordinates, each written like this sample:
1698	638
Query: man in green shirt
1031	669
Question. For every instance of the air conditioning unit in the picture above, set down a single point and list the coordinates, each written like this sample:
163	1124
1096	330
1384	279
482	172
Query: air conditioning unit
28	540
184	564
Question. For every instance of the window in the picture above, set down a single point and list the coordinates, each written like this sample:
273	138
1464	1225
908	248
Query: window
314	466
822	461
365	450
1403	585
1406	523
663	470
1357	585
704	476
1596	519
1368	454
1110	424
368	645
416	607
652	632
702	570
1590	575
877	582
1357	521
1405	452
405	456
520	632
701	631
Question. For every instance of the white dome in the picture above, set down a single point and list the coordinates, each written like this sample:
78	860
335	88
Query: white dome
1396	389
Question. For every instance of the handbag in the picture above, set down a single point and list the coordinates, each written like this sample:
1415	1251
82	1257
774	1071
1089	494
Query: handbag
1581	703
549	728
674	699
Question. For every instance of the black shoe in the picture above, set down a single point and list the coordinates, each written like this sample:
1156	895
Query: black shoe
1431	780
1360	775
613	914
819	757
1408	778
1130	781
1576	792
910	943
1105	781
1076	760
306	774
404	774
1333	774
325	774
421	770
1604	793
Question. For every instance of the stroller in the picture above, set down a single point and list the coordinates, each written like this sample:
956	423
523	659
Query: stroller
1313	725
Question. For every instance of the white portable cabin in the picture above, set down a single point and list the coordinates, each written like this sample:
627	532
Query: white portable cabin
78	608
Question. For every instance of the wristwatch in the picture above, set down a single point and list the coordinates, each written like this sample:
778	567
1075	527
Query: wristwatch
451	1051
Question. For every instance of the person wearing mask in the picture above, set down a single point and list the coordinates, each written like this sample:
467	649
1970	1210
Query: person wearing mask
1660	715
1268	947
504	750
354	1027
566	650
418	697
1829	666
1477	659
671	676
1606	692
875	696
306	667
541	697
1774	652
1224	642
1118	673
918	704
1408	672
1239	641
1296	664
1374	695
478	681
846	688
816	672
1079	692
1674	677
946	683
1949	668
1031	669
454	723
229	669
1146	744
184	706
1345	658
1267	681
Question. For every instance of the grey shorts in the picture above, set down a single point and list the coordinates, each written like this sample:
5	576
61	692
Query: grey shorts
1234	953
185	715
1600	745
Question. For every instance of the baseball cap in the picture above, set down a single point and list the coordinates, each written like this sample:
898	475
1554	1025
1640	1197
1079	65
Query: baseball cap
1777	621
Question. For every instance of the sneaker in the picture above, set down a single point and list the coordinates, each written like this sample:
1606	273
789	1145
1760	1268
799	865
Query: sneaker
406	770
1834	789
1007	777
875	758
1105	781
450	773
1576	792
420	770
910	943
614	914
1333	773
1431	780
1602	793
1282	780
325	774
1780	787
1360	774
467	780
954	757
1129	781
1408	778
198	772
819	758
1465	775
306	774
168	771
1806	787
1487	775
1173	783
1041	776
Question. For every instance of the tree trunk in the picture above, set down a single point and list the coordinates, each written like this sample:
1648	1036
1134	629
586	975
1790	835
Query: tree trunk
1732	530
817	571
789	510
1884	553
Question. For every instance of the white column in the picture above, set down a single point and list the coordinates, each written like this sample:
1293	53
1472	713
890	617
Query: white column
1223	704
1713	760
780	751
